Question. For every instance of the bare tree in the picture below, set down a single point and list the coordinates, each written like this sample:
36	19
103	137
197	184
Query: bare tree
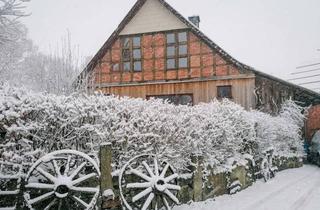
10	12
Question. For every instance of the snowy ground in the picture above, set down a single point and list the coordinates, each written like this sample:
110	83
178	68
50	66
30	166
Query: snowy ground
294	189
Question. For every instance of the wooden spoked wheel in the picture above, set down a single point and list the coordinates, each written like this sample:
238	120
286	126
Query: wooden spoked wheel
63	180
146	184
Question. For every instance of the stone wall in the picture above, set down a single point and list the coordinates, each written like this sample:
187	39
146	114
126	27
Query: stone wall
201	184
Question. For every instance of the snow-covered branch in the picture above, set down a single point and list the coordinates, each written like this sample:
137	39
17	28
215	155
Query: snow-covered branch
33	123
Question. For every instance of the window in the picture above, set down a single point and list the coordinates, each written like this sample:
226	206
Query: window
224	91
126	66
177	50
171	63
177	99
183	62
131	54
171	38
137	66
115	67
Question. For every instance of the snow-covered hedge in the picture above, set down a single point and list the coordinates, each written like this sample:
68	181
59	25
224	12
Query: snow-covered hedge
33	124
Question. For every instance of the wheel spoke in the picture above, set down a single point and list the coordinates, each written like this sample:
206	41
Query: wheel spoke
66	171
142	194
171	196
85	189
79	200
148	201
40	186
171	177
147	168
83	178
173	187
164	171
76	172
60	204
50	204
156	168
156	205
166	203
40	198
143	176
46	175
56	167
139	185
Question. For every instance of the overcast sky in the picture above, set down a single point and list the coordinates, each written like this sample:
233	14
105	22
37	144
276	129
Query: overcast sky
273	36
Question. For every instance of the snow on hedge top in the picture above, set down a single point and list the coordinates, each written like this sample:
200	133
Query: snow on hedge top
32	125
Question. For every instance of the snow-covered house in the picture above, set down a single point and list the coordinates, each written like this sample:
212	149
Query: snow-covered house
156	52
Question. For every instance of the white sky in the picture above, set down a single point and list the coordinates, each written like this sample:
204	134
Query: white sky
273	36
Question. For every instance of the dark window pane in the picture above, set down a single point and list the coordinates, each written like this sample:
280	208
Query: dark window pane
126	55
126	66
175	99
171	51
115	67
183	62
137	54
171	38
183	49
182	37
224	92
126	43
137	66
185	100
136	41
171	63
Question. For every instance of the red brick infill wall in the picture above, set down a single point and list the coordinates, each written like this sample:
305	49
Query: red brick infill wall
313	122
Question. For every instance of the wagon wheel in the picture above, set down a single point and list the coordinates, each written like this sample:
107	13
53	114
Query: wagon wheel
265	170
146	184
63	180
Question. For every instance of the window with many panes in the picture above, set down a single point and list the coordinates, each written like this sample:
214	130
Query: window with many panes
224	91
177	50
131	54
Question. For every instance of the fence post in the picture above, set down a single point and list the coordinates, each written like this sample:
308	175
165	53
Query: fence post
197	182
105	168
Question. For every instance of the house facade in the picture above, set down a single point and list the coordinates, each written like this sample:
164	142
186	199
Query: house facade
156	52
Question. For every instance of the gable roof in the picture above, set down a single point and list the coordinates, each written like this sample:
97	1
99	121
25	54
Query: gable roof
137	6
152	17
242	67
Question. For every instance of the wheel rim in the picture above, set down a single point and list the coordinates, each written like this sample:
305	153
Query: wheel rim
265	169
146	184
64	179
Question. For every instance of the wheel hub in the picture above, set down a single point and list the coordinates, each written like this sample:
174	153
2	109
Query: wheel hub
62	191
160	185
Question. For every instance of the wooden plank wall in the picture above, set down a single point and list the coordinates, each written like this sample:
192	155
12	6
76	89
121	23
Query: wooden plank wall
202	91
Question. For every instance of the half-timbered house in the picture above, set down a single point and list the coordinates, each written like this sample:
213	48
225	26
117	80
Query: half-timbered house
156	52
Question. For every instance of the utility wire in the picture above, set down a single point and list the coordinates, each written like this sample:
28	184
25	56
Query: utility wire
313	82
300	72
306	77
314	64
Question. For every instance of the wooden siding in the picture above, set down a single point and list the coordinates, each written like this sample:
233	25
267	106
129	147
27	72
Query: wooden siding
202	91
271	93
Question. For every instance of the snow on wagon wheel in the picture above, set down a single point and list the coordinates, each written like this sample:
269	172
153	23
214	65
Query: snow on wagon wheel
63	180
146	184
265	170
